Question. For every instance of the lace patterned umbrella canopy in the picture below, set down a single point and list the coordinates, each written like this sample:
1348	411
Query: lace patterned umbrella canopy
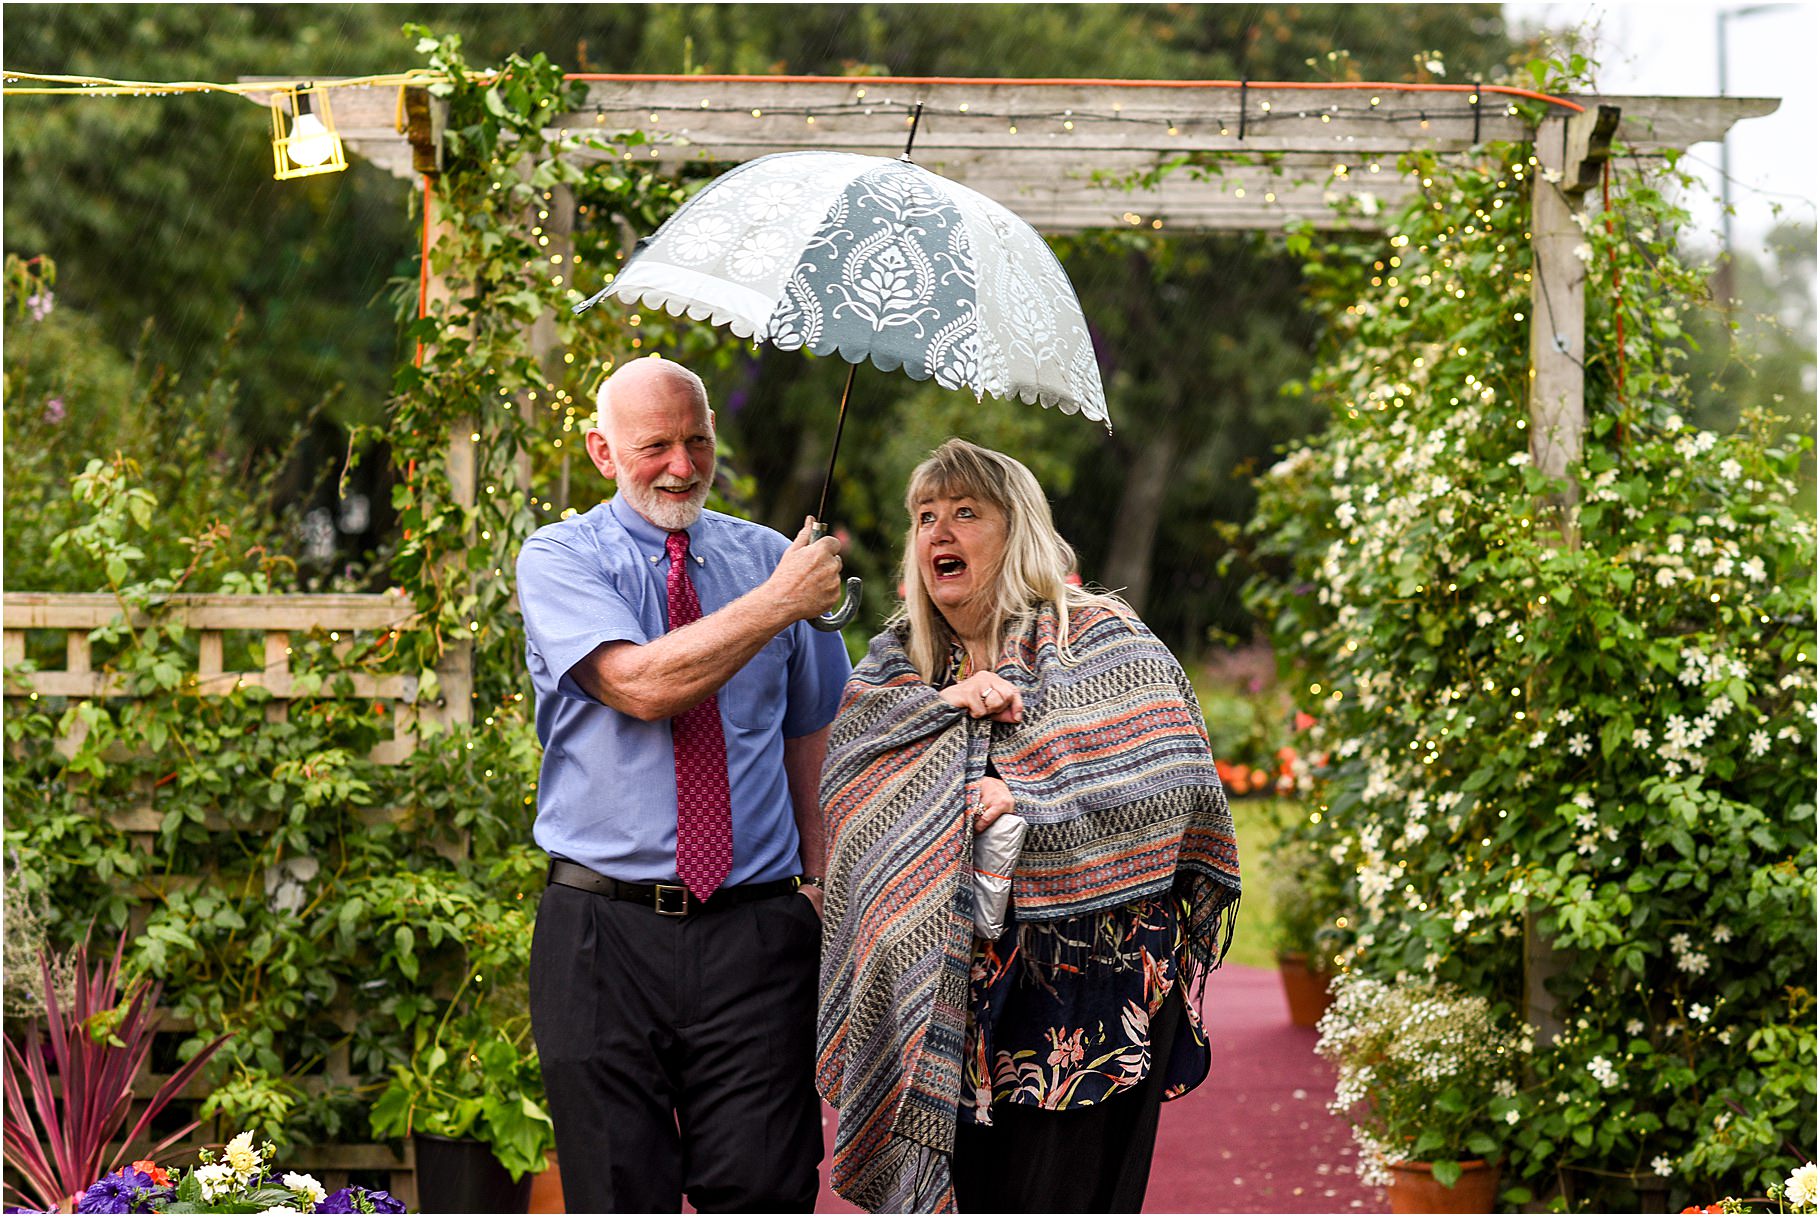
876	259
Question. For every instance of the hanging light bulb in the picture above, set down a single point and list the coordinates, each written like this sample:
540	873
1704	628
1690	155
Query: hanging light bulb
311	145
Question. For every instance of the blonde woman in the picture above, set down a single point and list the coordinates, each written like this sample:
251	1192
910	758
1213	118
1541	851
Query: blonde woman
1022	1074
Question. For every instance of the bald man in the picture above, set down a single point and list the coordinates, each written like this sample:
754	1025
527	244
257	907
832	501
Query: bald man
683	703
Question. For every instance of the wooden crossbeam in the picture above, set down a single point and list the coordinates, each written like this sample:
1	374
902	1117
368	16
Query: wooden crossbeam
1044	168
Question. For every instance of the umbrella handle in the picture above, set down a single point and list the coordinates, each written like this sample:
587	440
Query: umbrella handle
830	623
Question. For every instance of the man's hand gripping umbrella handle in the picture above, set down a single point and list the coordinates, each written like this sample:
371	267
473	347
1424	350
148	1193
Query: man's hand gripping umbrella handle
848	608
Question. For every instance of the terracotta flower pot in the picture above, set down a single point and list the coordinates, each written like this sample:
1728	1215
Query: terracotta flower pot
546	1189
1413	1188
1304	987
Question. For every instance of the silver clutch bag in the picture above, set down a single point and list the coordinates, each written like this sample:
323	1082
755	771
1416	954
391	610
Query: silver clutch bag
994	859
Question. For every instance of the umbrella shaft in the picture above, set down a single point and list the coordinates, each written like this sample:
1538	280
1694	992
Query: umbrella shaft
821	511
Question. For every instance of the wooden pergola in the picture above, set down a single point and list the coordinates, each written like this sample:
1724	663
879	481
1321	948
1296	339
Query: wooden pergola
1175	156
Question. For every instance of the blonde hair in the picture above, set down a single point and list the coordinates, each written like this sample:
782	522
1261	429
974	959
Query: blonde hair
1032	571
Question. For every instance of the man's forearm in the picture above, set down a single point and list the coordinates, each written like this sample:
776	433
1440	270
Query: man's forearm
680	669
803	759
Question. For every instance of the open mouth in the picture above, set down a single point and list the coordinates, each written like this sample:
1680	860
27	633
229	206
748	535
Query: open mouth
677	492
947	566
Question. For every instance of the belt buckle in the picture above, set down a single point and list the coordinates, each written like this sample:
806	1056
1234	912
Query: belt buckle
664	907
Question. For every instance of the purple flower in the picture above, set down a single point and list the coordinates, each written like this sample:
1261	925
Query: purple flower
127	1190
53	410
359	1200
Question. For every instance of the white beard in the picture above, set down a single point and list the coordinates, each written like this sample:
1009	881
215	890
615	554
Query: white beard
671	515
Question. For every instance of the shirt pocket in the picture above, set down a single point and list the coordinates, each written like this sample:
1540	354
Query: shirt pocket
754	698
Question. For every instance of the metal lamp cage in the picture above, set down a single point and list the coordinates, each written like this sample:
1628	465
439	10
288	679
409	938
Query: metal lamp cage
289	105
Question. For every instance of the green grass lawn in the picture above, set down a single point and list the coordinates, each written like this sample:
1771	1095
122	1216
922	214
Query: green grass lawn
1257	821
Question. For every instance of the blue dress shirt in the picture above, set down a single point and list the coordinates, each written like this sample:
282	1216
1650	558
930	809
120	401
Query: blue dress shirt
606	797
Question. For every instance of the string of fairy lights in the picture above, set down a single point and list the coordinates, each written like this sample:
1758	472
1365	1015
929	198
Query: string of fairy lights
305	140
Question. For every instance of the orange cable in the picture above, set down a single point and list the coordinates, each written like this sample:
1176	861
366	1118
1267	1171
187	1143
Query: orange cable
866	81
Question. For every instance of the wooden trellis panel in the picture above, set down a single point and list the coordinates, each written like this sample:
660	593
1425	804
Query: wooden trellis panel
351	621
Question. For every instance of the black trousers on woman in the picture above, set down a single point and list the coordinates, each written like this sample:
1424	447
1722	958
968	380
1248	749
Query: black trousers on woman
1086	1160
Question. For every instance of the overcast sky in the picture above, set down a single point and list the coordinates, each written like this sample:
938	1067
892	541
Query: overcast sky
1773	50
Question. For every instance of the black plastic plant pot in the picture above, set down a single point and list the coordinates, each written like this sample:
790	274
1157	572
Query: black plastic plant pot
462	1176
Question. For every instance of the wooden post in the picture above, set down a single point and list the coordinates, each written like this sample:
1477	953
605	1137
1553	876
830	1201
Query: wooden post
1570	151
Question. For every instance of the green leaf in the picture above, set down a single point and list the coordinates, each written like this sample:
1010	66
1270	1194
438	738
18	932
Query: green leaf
1447	1172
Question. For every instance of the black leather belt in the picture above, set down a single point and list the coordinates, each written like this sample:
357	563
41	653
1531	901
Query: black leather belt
669	899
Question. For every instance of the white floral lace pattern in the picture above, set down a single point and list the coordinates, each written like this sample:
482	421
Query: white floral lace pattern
879	260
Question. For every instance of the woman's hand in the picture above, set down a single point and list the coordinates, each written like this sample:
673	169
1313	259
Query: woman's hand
989	798
987	695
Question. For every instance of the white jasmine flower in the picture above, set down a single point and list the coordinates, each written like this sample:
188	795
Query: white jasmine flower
1661	1165
1435	66
1753	570
1759	743
1725	1037
1583	251
1722	933
1603	1071
1562	1098
1586	821
1634	1027
1676	542
1693	963
1722	567
1640	738
1519	458
1511	1117
1504	1088
1536	739
1665	576
1583	799
1680	944
1586	845
1579	744
1564	716
1730	470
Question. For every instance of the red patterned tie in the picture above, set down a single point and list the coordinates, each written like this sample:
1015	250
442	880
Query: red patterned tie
704	803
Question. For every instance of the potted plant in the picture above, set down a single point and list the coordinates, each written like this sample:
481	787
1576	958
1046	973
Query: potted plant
1307	925
471	1099
1427	1078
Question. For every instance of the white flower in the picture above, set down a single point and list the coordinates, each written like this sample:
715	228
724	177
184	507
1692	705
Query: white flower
1579	744
1725	1037
305	1186
1722	933
216	1180
1680	944
1753	570
1730	470
1634	1027
1511	1117
1699	1013
1583	799
1802	1188
1551	176
1722	567
1586	821
1603	1071
1693	963
1535	740
1676	542
1517	458
1583	251
1564	716
240	1154
1759	743
1435	66
1661	1165
1640	738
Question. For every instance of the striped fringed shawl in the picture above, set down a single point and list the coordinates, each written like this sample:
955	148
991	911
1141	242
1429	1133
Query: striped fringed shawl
1111	768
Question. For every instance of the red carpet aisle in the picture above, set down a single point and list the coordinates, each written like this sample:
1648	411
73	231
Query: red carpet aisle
1256	1136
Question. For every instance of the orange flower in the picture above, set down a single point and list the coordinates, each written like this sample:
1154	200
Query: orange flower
159	1175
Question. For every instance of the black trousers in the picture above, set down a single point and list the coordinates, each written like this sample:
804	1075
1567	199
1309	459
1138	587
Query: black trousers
1086	1160
678	1053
